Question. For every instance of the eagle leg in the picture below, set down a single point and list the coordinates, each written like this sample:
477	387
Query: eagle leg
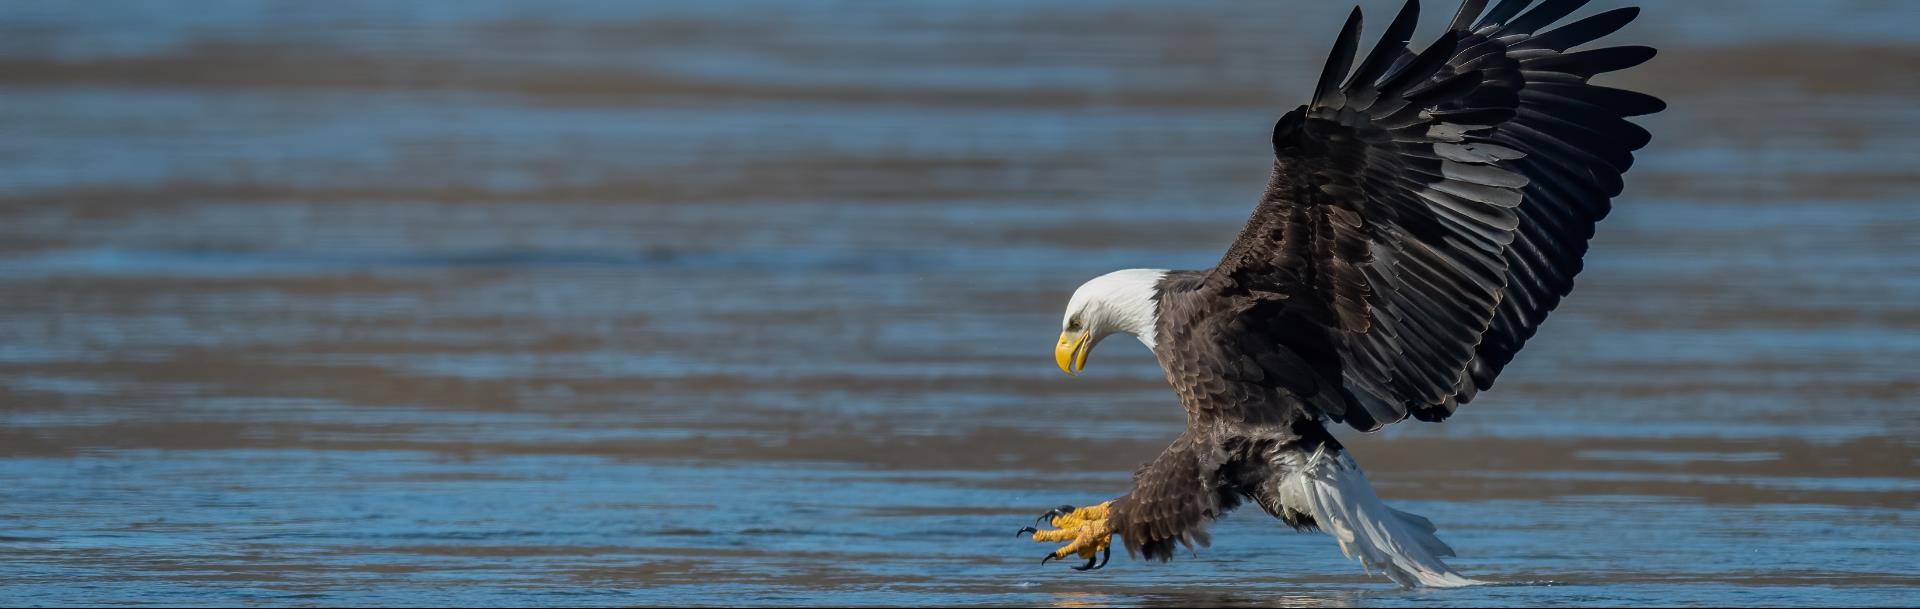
1087	531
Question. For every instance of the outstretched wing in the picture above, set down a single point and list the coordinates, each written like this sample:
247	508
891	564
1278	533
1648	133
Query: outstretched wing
1430	209
1577	143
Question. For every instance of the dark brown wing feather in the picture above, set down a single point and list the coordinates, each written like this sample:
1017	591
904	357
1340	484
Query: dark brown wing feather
1577	143
1433	208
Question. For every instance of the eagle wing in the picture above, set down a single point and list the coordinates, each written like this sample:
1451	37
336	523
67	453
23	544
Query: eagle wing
1428	210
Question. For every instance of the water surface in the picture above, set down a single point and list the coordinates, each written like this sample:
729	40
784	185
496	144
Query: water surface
597	303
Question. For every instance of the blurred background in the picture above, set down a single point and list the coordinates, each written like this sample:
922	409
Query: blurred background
596	302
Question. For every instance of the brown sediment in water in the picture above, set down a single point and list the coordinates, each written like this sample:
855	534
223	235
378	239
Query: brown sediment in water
1809	65
1814	68
1788	187
1473	468
888	178
257	65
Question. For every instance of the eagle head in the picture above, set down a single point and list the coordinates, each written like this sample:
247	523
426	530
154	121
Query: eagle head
1120	301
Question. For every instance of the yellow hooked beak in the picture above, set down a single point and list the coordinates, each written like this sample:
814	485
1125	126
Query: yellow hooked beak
1071	352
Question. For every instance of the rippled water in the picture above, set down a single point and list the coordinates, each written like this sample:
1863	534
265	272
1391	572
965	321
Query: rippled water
598	303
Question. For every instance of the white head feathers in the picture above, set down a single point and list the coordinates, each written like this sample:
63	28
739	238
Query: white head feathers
1120	301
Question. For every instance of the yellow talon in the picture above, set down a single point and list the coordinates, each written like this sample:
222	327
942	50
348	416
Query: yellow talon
1086	529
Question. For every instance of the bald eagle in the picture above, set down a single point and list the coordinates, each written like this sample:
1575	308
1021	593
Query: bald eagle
1424	213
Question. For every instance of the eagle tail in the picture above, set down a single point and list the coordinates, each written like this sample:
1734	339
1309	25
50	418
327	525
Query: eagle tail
1330	488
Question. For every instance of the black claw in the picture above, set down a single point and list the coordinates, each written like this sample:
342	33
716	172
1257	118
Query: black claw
1024	531
1085	567
1056	513
1104	556
1049	558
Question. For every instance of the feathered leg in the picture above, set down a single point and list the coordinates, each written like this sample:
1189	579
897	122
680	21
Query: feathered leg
1172	500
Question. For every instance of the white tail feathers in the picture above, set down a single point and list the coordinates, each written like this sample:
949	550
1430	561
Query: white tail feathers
1333	490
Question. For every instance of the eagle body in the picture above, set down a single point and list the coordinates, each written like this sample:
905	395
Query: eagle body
1425	212
1244	371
